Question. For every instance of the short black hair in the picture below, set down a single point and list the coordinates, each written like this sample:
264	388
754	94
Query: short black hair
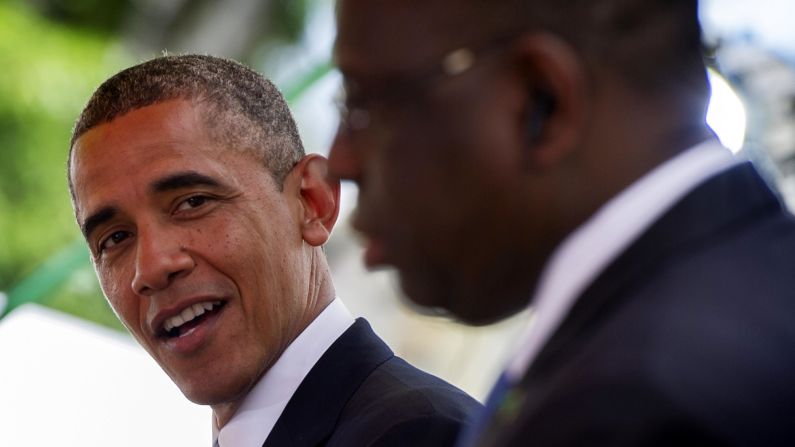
241	107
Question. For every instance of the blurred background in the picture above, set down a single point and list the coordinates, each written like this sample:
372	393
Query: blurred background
69	374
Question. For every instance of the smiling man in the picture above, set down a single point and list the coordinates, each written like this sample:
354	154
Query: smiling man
205	222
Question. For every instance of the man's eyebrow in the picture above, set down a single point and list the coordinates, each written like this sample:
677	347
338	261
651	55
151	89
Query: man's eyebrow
96	219
168	183
184	180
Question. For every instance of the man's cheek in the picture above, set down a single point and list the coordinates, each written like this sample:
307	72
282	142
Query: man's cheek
111	288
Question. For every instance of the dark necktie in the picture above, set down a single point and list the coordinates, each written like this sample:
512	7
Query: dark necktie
502	406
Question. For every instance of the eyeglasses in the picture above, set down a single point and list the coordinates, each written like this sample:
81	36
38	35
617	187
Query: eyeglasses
356	106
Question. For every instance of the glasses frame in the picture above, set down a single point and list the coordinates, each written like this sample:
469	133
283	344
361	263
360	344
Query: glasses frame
355	109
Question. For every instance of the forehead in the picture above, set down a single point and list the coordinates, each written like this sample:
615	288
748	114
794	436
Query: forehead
133	150
385	36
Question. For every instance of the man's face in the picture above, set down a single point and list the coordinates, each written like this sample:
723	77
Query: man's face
198	252
439	168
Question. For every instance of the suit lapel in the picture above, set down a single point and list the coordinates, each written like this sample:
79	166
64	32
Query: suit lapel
312	413
723	203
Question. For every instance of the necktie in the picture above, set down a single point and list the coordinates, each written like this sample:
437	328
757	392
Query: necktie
473	431
501	408
215	444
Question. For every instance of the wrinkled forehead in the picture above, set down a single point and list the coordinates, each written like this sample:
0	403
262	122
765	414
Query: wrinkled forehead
142	144
189	124
384	36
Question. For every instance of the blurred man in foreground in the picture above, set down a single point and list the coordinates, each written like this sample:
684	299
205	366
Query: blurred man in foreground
206	222
556	153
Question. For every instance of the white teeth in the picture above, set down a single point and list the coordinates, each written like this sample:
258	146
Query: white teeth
188	314
198	309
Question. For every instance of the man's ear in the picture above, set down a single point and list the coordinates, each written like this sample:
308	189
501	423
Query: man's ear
554	114
320	197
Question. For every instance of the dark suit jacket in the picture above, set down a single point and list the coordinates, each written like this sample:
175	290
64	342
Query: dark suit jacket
688	338
360	394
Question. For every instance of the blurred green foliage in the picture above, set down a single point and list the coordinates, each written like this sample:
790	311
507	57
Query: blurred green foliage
48	72
287	18
283	19
105	16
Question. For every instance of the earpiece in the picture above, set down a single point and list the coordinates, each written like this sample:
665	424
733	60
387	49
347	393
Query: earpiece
542	106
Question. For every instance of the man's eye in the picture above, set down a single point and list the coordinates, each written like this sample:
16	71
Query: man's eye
115	238
192	202
196	201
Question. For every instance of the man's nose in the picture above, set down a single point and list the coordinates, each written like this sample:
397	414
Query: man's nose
344	160
160	259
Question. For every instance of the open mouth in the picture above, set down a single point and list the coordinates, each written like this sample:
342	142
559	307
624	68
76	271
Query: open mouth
190	317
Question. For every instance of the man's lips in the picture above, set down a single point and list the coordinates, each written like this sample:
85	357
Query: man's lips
374	253
374	247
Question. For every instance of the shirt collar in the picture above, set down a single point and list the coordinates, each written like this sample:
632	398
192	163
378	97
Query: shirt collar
253	421
582	255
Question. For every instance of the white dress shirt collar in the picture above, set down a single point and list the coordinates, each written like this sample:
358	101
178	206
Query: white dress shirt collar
253	421
582	255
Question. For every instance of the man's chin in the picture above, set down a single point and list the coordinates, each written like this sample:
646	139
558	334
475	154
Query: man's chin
469	304
209	392
209	397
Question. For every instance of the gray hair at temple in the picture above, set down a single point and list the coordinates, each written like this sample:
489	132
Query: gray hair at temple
240	107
